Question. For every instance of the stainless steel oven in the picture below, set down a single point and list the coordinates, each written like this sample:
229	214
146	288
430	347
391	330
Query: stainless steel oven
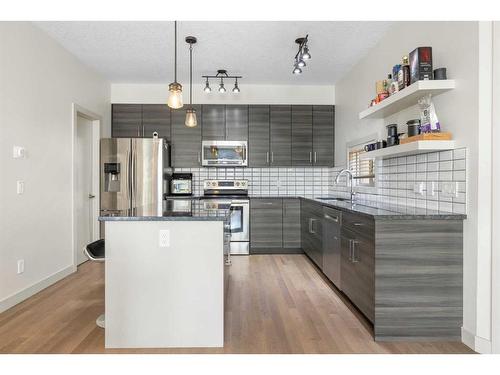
224	153
232	194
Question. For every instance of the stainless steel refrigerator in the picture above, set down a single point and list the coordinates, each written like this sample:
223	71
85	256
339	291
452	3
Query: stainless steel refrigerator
134	173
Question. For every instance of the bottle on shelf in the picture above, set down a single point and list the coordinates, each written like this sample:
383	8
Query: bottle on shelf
404	74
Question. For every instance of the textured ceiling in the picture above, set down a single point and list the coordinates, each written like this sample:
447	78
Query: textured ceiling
142	52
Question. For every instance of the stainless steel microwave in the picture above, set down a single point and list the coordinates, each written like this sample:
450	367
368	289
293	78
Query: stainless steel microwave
224	153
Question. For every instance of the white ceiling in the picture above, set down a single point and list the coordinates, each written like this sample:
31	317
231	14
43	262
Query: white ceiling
142	52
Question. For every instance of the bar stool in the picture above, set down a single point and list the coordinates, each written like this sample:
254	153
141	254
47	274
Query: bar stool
95	252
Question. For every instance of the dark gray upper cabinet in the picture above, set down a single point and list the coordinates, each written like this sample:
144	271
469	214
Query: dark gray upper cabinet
281	135
126	120
186	142
156	118
258	136
214	127
323	135
302	135
237	122
291	223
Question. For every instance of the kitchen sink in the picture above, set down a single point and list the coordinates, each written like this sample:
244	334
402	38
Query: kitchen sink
332	199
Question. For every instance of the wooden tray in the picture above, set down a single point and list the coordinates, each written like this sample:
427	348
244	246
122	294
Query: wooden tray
445	136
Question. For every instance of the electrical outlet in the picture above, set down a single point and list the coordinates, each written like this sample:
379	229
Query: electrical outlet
449	189
20	266
18	152
164	238
20	187
419	188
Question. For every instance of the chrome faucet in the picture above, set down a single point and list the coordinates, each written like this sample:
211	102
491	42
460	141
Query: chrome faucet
348	172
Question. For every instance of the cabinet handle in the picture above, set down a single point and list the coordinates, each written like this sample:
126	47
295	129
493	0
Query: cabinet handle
311	225
199	157
138	131
349	257
310	157
358	224
272	157
315	157
333	218
267	157
354	258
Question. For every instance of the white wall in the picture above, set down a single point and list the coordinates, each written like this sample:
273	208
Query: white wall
39	81
250	94
456	47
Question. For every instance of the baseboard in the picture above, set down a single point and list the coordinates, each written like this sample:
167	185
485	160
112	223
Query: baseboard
476	343
33	289
285	250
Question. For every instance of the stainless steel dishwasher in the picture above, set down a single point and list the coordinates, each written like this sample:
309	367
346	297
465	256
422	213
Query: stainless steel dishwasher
331	244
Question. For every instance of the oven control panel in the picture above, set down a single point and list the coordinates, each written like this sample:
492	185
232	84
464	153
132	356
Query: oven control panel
225	184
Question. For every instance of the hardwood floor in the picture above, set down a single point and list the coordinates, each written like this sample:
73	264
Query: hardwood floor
275	304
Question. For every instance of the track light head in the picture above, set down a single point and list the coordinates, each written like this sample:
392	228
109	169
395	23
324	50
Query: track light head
300	62
306	55
297	70
222	89
207	88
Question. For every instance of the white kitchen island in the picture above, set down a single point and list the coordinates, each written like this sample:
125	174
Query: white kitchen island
165	278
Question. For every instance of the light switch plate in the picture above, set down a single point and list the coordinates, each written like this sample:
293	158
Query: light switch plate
20	266
20	187
164	238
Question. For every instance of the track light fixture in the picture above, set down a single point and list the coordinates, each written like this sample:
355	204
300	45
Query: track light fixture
222	74
302	55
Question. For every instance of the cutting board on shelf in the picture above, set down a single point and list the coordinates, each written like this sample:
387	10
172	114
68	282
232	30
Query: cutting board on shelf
444	136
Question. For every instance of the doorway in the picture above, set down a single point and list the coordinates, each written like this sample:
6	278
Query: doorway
86	130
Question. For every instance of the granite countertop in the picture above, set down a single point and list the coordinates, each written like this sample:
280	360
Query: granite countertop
172	210
379	210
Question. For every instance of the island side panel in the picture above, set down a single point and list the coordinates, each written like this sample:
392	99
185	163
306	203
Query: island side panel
418	280
164	296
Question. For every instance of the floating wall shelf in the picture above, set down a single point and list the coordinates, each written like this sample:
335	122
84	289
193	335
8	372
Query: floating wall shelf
412	148
407	97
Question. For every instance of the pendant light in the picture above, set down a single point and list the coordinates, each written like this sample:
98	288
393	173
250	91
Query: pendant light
175	88
191	120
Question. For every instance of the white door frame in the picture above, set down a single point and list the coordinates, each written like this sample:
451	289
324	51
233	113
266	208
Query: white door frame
78	110
495	253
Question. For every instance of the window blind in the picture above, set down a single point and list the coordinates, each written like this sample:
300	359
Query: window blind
362	169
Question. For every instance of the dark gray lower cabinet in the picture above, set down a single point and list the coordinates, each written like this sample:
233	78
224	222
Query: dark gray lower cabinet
291	223
311	223
358	270
126	120
186	142
332	262
266	224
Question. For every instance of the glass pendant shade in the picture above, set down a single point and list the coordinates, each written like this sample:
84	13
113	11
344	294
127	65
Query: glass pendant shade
191	120
175	96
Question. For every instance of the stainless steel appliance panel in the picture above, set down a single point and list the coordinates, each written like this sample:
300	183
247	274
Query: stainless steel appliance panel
147	172
115	186
332	221
224	153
